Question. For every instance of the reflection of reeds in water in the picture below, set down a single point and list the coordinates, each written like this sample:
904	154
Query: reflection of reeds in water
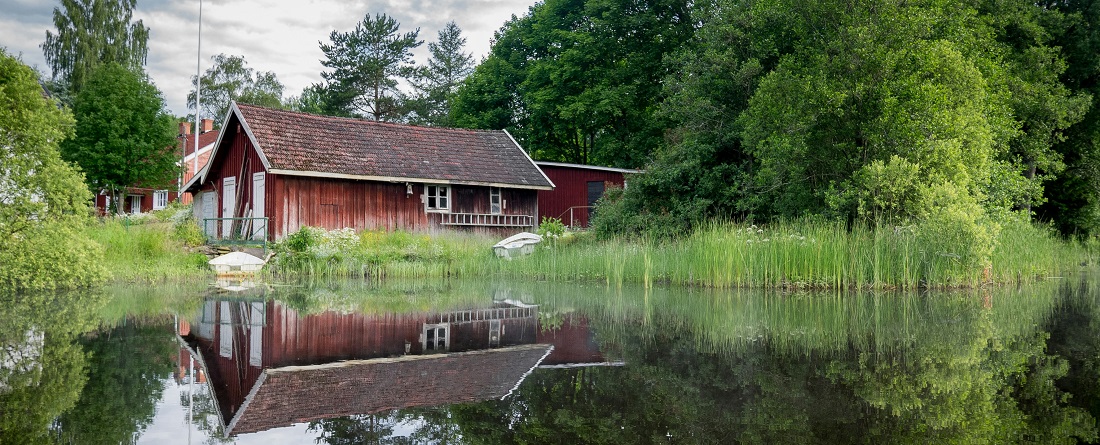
802	255
805	322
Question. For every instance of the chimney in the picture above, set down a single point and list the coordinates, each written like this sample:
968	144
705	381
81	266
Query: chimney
185	128
207	125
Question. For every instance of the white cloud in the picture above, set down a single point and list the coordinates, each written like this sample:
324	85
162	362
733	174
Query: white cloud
269	34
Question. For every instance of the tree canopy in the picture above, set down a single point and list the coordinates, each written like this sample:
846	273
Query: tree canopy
91	33
124	136
579	81
436	84
231	79
43	200
367	66
944	114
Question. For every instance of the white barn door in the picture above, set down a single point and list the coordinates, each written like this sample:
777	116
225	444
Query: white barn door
229	204
209	207
259	229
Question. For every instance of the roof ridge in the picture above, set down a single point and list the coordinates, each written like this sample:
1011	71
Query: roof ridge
362	120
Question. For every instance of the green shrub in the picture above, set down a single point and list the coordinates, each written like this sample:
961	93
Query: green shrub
551	228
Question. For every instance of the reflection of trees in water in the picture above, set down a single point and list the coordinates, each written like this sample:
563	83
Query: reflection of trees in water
34	396
128	367
360	429
957	377
425	425
1073	336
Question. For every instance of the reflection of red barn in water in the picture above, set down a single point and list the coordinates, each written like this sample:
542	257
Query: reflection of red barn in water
270	367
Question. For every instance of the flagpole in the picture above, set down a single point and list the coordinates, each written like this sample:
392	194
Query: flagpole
198	95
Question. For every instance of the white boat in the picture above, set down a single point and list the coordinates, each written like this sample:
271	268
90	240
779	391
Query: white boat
236	263
522	243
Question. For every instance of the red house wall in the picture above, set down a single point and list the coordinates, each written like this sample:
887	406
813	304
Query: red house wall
571	190
300	201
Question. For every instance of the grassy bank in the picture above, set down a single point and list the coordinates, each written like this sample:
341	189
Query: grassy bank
152	248
804	254
377	255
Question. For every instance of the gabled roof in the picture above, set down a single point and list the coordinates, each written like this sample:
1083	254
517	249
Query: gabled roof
302	144
295	394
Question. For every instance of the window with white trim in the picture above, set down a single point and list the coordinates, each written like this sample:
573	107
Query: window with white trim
160	199
494	200
438	197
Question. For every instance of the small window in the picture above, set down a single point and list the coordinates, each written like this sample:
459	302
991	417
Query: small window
434	337
439	197
494	200
160	199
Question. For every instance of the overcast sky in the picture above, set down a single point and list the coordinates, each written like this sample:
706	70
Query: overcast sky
272	35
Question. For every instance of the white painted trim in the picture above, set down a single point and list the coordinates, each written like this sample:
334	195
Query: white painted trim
587	167
251	136
317	174
532	161
233	109
202	150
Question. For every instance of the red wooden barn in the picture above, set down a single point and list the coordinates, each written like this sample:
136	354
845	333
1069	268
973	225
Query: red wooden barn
577	187
300	170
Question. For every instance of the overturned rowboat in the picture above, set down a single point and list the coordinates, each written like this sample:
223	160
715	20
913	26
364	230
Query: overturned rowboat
520	244
236	263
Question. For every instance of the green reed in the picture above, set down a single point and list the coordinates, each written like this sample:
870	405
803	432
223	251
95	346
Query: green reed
800	255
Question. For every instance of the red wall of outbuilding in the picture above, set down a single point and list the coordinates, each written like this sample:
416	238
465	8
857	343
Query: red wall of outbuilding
571	190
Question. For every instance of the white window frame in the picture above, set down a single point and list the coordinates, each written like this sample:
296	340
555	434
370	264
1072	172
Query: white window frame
160	199
437	198
496	205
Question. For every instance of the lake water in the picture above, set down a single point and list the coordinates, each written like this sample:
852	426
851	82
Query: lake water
483	362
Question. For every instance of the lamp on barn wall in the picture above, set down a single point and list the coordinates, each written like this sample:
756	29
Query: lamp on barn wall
408	189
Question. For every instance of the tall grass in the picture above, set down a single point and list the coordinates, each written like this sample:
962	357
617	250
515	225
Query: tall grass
145	251
803	254
377	255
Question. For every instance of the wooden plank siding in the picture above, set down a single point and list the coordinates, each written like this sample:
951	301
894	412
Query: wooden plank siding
571	190
240	161
301	201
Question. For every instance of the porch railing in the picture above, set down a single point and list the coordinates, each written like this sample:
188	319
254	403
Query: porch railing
235	230
504	313
574	218
486	220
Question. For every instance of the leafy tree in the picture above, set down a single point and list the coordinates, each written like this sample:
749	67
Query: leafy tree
43	200
367	66
579	81
231	79
436	84
124	136
937	113
91	33
320	98
1072	198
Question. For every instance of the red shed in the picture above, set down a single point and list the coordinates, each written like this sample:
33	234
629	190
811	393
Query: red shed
300	169
577	187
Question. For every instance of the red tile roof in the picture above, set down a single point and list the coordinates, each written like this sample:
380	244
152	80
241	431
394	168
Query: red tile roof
204	139
296	394
303	142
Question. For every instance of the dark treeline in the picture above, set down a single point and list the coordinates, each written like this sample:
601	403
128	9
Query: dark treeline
945	116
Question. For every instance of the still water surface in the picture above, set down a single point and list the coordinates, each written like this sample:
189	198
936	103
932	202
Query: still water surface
480	362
